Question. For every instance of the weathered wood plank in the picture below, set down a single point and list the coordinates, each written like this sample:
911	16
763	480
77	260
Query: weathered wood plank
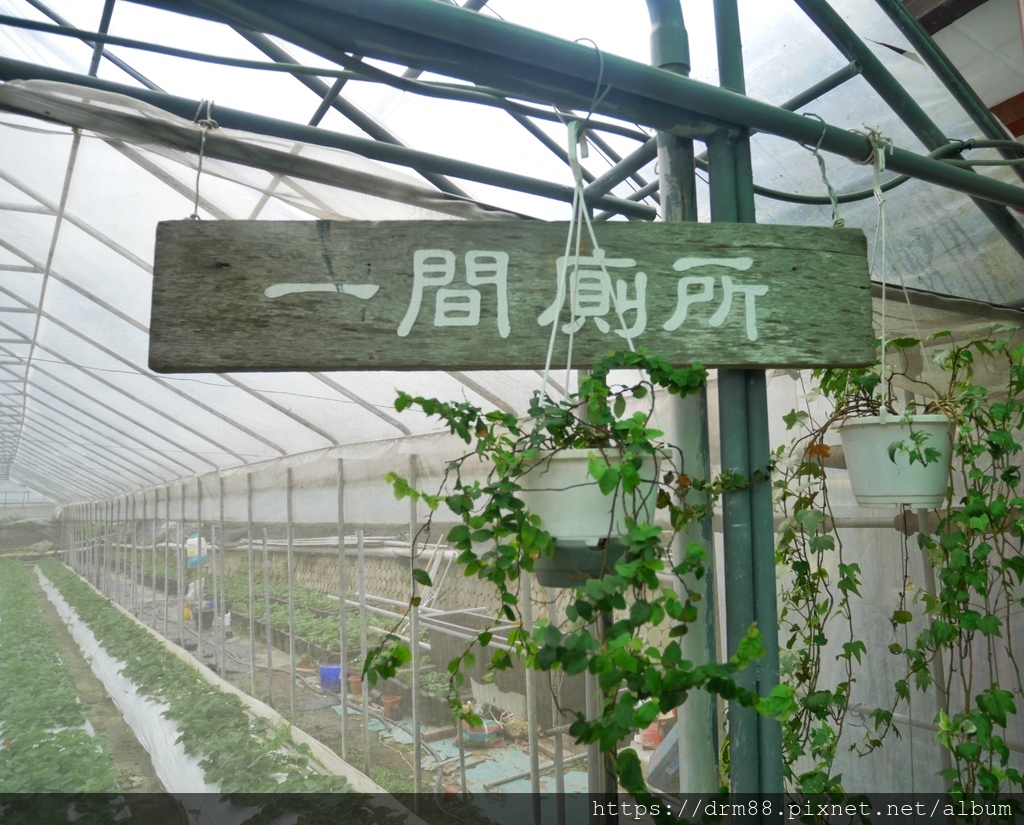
244	296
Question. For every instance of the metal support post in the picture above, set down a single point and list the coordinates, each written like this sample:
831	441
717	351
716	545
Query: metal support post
250	557
220	564
342	592
182	570
526	599
200	570
697	717
364	647
414	646
266	622
167	556
756	744
291	594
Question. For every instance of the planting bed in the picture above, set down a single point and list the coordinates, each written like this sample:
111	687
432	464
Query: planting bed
47	743
250	761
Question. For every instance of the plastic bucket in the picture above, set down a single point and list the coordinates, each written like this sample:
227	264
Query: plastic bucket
330	678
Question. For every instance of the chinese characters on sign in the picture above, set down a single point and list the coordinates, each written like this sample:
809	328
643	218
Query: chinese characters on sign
588	279
503	294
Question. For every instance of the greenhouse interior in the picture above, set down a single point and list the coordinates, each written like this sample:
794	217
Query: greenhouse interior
597	552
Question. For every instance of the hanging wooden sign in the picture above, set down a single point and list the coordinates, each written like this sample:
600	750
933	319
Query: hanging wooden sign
255	296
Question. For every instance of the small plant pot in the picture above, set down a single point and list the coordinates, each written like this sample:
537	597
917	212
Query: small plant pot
203	618
879	481
584	522
572	563
390	703
355	684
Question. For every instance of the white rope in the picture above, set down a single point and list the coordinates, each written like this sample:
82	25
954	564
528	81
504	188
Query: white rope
880	147
816	151
580	210
205	125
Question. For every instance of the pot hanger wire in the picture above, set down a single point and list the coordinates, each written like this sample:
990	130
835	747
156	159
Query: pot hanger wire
880	147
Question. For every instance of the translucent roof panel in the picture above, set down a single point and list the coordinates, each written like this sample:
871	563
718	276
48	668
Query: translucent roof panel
96	151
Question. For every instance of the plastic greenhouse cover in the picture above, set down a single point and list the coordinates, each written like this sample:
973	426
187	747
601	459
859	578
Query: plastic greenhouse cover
128	171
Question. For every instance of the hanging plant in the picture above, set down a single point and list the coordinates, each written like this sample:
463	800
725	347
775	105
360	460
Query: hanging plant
896	455
953	630
636	476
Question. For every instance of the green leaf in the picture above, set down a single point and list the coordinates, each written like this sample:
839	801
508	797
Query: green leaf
990	624
421	576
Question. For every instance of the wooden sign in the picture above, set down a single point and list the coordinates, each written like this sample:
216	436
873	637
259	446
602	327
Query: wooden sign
254	296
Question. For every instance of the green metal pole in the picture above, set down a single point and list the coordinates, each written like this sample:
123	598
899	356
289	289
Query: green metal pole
956	84
387	152
697	718
756	741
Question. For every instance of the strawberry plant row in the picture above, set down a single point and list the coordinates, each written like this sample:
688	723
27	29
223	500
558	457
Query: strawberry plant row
46	742
237	752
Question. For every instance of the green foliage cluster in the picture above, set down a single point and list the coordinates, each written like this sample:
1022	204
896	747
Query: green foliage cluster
45	746
499	538
963	625
316	613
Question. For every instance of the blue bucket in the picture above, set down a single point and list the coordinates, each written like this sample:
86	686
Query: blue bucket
330	678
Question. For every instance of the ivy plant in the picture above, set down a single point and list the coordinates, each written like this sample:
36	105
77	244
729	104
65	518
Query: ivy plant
498	539
963	626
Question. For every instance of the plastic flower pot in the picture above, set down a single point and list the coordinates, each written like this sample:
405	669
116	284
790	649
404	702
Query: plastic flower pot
355	684
390	703
584	522
880	481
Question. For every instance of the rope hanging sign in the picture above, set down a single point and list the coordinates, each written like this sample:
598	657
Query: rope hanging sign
255	296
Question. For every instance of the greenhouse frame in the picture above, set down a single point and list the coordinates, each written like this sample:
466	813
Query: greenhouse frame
303	304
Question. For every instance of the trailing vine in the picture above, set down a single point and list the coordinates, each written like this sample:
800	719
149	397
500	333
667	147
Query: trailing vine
499	539
953	631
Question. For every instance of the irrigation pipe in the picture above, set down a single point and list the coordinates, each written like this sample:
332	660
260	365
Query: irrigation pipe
544	768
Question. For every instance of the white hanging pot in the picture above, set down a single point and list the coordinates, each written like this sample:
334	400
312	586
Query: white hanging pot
585	523
880	481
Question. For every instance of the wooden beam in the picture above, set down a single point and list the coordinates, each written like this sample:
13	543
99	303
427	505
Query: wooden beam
253	296
935	15
1011	112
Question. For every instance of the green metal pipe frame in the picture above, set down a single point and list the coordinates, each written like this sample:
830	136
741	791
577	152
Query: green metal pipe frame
388	153
697	741
928	50
906	108
538	67
565	74
349	110
749	535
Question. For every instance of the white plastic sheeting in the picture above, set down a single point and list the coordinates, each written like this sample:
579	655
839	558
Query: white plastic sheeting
179	772
81	416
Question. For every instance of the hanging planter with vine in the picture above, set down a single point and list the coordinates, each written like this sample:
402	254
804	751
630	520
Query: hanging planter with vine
646	498
894	456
